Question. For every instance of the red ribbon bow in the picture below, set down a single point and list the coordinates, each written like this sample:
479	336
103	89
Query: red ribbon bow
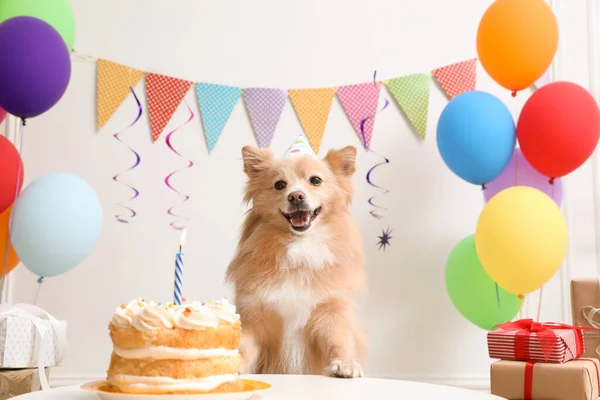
545	334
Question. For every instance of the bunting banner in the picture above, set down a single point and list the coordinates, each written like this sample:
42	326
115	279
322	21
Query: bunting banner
543	80
360	104
164	95
216	104
264	107
312	108
113	85
411	92
457	78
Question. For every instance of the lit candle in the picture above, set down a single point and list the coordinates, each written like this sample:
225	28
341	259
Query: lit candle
179	270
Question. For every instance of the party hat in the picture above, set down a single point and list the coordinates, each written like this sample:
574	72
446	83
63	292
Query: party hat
300	147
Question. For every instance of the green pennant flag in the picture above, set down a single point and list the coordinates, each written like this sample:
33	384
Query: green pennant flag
411	92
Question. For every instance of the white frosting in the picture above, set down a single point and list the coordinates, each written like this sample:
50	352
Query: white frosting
141	384
149	316
174	353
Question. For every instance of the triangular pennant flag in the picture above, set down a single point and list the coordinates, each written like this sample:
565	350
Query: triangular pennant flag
216	105
412	95
113	82
164	94
543	80
457	78
360	104
312	107
264	107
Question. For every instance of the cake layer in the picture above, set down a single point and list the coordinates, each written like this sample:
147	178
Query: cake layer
176	369
174	353
146	385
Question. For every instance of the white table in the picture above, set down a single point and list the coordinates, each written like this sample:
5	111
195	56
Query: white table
291	387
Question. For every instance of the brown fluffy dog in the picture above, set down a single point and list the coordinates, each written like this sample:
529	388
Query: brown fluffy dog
298	266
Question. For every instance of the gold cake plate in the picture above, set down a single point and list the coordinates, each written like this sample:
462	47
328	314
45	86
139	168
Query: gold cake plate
108	392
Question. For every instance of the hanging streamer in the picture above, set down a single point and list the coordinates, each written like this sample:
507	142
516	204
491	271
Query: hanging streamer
190	165
122	218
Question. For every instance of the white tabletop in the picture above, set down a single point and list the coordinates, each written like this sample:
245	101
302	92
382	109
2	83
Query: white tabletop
292	387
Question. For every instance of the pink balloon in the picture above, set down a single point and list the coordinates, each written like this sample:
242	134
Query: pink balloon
519	172
2	114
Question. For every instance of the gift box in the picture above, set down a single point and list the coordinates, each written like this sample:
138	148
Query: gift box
529	380
526	340
585	309
15	382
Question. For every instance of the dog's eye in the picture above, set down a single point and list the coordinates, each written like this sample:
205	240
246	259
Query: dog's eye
315	180
280	185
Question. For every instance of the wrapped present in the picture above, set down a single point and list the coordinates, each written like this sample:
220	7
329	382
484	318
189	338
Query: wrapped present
585	309
529	380
526	340
15	382
30	337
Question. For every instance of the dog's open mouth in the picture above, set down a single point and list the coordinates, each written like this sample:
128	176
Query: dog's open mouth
301	219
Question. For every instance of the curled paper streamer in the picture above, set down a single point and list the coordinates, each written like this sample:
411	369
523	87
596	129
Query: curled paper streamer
122	218
190	165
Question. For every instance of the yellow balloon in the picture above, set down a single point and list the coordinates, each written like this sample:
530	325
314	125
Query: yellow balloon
521	239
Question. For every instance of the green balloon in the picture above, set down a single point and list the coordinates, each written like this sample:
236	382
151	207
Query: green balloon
473	292
57	13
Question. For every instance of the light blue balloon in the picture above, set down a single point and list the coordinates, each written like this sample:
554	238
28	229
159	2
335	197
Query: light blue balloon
57	220
476	136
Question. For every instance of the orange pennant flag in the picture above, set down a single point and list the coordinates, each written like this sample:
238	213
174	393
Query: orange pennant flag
164	94
457	78
113	82
312	107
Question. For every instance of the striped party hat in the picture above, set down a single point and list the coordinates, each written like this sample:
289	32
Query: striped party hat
300	147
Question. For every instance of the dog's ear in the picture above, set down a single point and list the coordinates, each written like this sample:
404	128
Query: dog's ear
256	160
342	161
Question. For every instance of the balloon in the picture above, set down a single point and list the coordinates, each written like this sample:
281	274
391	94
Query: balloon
56	222
57	13
519	172
473	292
521	239
476	136
2	114
35	67
13	260
11	178
558	128
516	41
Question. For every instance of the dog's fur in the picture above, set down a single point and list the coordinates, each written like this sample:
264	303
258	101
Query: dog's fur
295	291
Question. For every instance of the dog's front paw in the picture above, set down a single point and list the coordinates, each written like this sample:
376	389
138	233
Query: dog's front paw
344	369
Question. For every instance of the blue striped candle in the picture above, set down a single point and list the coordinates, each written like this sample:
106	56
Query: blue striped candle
177	293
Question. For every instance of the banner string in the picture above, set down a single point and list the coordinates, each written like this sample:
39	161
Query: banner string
136	192
190	165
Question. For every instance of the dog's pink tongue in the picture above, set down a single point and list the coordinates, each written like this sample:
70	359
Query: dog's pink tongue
300	218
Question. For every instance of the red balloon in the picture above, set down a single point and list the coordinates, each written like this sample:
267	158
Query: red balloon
559	128
11	173
2	114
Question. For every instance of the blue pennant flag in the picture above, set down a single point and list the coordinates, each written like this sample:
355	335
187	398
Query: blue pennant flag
216	105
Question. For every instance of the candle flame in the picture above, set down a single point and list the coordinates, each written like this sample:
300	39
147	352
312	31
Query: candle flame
182	240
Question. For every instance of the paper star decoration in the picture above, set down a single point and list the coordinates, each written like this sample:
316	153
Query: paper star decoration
384	239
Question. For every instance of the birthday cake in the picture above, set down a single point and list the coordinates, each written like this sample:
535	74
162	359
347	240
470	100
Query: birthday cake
166	348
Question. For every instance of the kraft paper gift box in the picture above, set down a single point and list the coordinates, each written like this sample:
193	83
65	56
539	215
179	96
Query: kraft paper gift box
585	299
528	380
15	382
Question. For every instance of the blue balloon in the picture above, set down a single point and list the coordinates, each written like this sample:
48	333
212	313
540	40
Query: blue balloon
57	220
476	136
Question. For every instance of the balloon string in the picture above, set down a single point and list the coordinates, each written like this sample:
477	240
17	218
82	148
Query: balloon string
539	309
136	192
37	292
498	295
190	165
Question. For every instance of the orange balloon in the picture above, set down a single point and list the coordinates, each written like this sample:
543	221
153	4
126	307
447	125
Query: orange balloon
516	41
13	259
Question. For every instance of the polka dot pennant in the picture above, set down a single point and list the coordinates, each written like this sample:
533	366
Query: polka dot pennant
216	104
412	95
312	108
457	78
360	102
264	106
112	87
164	95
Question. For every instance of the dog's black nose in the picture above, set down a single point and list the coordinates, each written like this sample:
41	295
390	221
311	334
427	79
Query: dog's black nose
296	198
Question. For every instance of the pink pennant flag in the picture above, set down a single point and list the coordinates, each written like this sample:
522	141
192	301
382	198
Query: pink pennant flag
360	104
264	107
164	94
457	78
543	80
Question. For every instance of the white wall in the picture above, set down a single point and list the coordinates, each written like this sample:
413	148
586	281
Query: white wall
415	331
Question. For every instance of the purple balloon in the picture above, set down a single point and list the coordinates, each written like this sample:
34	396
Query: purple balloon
525	175
35	66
